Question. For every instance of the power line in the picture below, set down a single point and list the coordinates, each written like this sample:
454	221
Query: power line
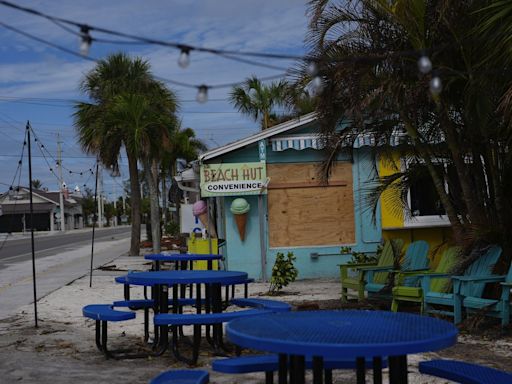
85	28
200	87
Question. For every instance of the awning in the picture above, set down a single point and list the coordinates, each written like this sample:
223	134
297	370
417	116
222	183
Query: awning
297	142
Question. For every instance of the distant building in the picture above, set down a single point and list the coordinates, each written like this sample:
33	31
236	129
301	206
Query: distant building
15	210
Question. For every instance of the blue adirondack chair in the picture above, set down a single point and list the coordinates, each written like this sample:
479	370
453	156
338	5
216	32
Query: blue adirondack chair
464	298
415	259
482	266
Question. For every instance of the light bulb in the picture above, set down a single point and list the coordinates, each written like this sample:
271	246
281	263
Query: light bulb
436	85
86	42
202	94
424	65
184	59
312	69
317	84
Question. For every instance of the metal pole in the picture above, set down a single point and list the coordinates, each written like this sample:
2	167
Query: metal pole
100	201
61	186
263	246
94	223
32	223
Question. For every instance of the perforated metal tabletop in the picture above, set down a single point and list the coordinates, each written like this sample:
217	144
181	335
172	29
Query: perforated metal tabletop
343	334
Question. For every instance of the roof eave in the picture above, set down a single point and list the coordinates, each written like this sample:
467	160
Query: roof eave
280	128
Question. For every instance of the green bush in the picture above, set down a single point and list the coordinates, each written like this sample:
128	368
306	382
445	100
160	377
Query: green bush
172	228
361	257
283	272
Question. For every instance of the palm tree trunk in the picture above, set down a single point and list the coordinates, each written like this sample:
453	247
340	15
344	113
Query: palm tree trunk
451	212
151	174
135	203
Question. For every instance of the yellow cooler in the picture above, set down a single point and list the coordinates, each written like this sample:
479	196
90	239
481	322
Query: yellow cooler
202	246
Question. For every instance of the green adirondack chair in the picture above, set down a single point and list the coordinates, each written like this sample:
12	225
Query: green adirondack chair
499	308
356	280
480	267
415	259
415	294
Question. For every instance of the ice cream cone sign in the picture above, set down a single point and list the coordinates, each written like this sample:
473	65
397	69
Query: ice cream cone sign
239	209
200	210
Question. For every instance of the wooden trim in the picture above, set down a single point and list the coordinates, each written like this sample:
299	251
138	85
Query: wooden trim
306	184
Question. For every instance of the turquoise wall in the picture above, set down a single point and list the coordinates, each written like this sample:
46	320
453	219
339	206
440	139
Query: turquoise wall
246	256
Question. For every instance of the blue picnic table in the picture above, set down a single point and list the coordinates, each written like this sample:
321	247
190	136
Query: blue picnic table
182	260
212	302
354	334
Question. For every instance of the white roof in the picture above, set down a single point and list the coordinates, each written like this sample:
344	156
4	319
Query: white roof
275	130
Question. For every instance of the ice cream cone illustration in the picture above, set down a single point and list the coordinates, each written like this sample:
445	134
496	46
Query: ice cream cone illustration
200	210
239	209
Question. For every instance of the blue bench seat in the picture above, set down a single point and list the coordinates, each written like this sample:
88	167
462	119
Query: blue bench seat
175	320
181	376
203	318
272	305
464	373
270	363
102	314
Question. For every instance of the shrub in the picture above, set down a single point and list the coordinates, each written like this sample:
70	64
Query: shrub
283	272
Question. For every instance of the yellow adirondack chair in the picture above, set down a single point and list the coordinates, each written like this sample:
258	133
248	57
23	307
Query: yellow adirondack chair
415	294
356	281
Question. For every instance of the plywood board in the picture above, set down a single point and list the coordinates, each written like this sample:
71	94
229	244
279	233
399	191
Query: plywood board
310	216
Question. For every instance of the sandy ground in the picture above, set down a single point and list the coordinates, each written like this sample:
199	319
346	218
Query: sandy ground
62	349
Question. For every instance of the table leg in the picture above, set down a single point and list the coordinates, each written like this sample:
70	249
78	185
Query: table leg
283	369
377	370
360	370
207	309
297	369
318	370
398	369
163	307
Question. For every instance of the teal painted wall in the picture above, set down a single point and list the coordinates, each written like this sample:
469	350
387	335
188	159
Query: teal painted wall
246	256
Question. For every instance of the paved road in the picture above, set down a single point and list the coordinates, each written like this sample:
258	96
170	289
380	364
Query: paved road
19	249
60	259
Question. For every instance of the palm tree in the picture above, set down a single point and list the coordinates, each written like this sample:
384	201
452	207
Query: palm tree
257	100
118	74
368	52
37	184
149	121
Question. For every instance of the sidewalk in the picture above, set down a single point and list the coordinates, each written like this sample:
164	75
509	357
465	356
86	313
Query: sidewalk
62	349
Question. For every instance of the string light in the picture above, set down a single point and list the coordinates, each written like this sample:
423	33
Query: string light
86	42
184	59
202	94
312	69
424	64
317	84
435	85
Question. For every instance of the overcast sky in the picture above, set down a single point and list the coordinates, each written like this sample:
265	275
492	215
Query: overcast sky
37	82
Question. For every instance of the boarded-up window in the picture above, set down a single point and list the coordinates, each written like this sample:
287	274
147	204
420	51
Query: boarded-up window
302	213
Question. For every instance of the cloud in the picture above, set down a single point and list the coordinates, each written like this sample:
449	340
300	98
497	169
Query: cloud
31	69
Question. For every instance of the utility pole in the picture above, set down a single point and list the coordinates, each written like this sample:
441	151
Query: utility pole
61	185
100	199
115	205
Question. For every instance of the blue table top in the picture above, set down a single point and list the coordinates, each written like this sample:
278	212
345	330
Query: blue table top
342	334
181	257
185	277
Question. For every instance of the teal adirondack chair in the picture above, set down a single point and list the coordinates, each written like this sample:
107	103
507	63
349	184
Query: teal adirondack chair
480	267
415	259
356	281
490	307
415	294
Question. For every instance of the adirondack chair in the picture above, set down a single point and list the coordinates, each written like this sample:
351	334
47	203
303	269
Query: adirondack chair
415	259
356	282
415	294
482	266
464	298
